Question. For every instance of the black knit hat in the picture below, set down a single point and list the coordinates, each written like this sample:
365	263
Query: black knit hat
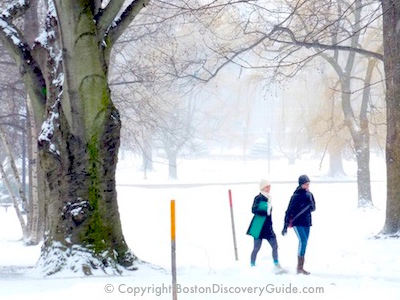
303	179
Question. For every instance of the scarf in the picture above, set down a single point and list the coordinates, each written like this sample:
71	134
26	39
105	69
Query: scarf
268	196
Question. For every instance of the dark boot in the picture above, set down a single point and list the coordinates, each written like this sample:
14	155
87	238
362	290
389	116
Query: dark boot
300	264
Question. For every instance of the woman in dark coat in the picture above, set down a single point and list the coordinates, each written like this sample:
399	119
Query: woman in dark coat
298	215
261	225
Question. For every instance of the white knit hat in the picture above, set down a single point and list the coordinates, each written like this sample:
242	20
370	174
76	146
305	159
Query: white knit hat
264	183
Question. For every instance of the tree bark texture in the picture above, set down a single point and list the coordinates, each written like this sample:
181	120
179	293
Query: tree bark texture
80	156
391	42
36	203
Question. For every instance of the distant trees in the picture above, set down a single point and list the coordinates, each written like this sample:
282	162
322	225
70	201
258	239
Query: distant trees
18	163
156	114
283	40
323	24
335	27
167	100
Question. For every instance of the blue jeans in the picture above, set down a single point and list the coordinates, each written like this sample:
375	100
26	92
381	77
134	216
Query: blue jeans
302	233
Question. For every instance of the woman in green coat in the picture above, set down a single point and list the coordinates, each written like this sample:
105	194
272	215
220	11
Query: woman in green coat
261	225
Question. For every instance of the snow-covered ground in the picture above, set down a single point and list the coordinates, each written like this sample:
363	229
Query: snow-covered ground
344	257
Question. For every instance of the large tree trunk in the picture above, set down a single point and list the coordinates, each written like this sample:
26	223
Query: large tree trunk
81	206
391	42
65	74
363	172
80	156
360	137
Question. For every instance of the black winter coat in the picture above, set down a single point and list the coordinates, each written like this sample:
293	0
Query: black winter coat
267	231
300	200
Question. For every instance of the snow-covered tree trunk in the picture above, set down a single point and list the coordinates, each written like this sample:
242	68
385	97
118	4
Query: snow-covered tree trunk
360	137
358	126
391	42
361	146
79	149
66	76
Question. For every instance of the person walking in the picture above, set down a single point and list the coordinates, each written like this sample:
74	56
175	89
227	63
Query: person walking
261	225
298	216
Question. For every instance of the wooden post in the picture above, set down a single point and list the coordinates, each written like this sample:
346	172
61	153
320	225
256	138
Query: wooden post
233	225
173	252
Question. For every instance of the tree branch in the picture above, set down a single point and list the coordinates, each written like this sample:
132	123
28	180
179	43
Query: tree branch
127	16
294	41
15	10
106	17
29	69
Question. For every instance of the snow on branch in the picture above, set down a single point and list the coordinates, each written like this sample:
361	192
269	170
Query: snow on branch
15	10
48	40
47	130
106	16
11	32
48	34
118	25
14	41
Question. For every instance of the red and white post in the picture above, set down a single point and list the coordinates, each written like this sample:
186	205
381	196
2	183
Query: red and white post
233	225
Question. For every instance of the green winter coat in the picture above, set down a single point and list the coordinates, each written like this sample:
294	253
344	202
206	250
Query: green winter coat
261	224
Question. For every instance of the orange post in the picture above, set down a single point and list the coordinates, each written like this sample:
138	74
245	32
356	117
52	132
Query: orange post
233	225
173	220
173	252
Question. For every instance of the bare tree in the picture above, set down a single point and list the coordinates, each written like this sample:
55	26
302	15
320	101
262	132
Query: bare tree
281	34
287	37
15	127
17	180
358	126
